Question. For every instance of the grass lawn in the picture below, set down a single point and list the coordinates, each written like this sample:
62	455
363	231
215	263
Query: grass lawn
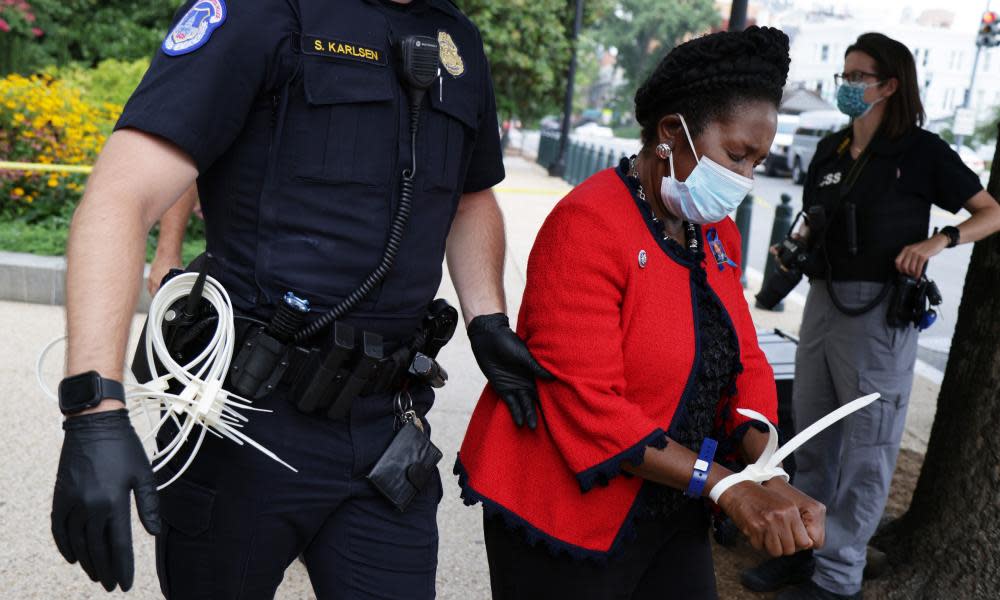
49	239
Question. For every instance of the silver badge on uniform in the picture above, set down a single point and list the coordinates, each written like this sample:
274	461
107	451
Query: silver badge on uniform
643	259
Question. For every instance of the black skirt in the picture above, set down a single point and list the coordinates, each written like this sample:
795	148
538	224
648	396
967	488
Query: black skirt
670	558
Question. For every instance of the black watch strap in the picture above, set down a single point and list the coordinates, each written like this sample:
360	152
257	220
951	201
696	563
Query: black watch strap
953	235
87	390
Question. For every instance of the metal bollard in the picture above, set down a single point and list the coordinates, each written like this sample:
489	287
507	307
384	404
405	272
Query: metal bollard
744	216
782	222
574	165
544	149
593	159
574	149
581	155
584	171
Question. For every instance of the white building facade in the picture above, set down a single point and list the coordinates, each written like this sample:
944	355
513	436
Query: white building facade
944	58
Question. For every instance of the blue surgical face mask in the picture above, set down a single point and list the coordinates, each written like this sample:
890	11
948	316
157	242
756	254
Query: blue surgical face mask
708	194
851	98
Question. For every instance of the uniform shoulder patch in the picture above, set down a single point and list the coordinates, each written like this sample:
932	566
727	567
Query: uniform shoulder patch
195	27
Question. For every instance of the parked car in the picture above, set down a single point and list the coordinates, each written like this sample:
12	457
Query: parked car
777	158
813	126
594	130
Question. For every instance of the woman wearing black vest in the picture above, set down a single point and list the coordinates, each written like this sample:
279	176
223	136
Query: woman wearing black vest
876	182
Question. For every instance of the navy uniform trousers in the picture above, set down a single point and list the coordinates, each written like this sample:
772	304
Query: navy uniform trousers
237	519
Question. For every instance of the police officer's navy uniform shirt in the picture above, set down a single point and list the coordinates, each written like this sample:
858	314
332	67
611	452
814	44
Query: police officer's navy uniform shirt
299	127
893	196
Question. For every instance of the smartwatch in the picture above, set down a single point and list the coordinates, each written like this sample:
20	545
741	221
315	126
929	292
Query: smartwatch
86	390
953	235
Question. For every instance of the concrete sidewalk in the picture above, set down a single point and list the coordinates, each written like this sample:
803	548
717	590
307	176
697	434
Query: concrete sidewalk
30	566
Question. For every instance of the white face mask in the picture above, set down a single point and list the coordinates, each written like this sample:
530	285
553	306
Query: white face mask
708	194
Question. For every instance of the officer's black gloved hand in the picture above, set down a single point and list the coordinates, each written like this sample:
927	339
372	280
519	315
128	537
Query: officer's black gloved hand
102	462
508	365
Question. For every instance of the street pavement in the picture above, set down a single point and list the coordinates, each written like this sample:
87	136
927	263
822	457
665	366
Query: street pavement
30	566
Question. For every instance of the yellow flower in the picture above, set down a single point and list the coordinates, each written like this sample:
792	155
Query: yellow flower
53	182
18	192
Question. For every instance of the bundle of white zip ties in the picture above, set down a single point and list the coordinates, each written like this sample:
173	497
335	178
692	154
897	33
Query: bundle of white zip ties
202	406
766	466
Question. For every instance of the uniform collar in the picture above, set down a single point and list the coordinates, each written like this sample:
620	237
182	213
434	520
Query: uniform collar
445	6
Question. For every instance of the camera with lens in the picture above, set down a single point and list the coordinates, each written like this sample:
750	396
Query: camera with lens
794	257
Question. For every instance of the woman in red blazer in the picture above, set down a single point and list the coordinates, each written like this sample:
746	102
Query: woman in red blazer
633	302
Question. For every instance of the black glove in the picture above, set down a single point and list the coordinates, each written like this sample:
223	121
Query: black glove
101	463
508	365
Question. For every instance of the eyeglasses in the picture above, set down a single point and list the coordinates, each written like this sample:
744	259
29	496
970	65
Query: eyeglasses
853	77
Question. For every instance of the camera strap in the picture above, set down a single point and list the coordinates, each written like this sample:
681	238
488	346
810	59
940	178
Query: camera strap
845	189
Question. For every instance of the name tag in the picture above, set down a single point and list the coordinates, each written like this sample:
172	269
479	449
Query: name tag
333	48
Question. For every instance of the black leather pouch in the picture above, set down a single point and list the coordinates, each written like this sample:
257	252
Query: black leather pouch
406	465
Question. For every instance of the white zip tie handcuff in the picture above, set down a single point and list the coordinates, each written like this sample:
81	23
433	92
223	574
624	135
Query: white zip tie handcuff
766	467
203	402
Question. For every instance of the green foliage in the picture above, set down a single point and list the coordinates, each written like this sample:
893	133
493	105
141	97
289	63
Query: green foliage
644	31
528	48
112	81
47	238
88	31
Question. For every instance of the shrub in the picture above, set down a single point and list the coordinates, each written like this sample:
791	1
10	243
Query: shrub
43	120
112	81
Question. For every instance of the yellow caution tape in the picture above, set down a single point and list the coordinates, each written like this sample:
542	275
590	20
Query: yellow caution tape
23	166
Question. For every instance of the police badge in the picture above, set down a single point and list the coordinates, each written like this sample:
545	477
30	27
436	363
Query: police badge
195	27
450	57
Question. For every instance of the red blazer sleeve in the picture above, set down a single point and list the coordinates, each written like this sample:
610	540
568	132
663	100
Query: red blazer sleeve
755	388
571	320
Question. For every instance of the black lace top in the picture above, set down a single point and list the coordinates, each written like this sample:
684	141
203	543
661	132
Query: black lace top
718	364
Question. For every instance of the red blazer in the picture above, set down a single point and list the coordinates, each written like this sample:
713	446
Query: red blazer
619	336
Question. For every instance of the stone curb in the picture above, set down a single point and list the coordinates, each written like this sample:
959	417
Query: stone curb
42	280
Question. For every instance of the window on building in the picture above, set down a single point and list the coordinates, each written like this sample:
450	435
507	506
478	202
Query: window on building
824	53
926	52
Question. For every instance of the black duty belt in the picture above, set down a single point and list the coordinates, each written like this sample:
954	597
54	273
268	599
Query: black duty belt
327	380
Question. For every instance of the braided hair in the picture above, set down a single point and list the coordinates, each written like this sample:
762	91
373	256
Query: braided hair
706	78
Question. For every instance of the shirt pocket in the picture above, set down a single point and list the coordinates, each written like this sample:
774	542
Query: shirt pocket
447	133
348	130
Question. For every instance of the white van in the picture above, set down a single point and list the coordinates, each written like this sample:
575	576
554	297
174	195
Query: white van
813	126
777	158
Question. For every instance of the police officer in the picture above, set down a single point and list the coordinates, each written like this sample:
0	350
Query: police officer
293	120
876	181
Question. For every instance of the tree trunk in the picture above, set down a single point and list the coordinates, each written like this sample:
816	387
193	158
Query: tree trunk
948	544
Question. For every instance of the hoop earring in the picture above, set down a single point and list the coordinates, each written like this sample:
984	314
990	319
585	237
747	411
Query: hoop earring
663	150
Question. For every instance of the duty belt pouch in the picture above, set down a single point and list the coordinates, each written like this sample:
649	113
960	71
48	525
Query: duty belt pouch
408	463
903	302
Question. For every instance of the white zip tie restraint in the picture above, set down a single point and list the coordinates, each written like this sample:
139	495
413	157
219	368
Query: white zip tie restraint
202	403
766	467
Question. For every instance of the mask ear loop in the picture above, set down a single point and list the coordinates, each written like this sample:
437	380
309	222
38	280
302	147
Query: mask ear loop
690	141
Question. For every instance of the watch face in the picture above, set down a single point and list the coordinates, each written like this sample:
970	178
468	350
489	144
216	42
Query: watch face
80	392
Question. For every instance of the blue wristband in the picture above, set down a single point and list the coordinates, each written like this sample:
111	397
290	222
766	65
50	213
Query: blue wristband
701	468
